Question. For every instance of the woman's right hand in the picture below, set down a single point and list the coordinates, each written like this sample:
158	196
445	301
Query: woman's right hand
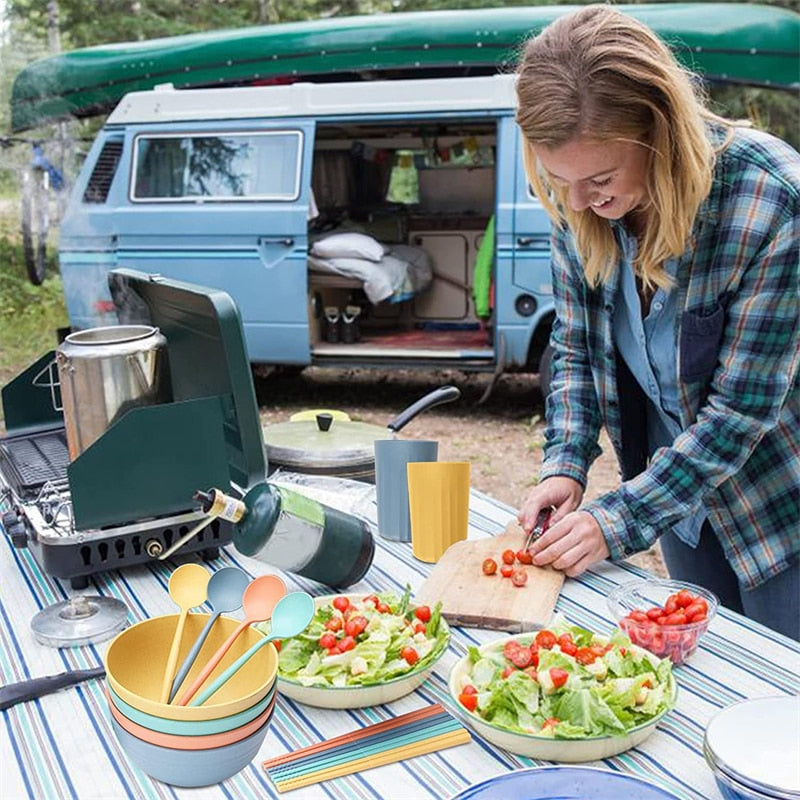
560	493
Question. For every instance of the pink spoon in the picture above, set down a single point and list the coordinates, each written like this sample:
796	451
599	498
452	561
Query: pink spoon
258	602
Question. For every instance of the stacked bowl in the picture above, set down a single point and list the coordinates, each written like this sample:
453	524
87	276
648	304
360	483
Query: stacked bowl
189	745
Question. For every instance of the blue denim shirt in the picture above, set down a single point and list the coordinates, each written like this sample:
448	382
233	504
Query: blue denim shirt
648	347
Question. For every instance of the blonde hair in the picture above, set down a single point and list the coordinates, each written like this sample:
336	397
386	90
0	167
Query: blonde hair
599	74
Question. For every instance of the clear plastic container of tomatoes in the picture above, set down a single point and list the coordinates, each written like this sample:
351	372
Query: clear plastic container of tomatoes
665	617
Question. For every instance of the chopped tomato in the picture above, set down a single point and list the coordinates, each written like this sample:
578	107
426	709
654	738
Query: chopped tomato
278	644
519	577
558	676
524	557
327	640
522	658
469	689
355	625
410	655
469	701
506	570
550	722
531	672
419	627
584	655
545	639
346	643
334	624
382	608
489	566
423	613
509	556
508	671
341	603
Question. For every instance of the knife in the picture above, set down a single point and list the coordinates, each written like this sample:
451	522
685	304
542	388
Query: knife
23	691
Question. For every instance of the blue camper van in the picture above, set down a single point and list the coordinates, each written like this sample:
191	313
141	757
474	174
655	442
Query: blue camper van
388	223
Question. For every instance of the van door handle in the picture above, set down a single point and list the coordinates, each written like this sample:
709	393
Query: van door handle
537	241
288	242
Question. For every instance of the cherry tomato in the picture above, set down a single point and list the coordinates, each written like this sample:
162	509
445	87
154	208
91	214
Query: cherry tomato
522	658
506	570
584	655
372	598
334	624
509	556
558	676
346	643
524	557
550	722
277	644
382	608
489	566
419	627
671	606
519	577
531	672
508	671
410	655
469	701
341	603
695	613
327	640
676	618
567	645
355	625
638	616
334	651
545	640
654	613
684	598
511	647
423	613
469	689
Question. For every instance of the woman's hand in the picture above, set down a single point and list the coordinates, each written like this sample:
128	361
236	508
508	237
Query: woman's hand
559	493
571	545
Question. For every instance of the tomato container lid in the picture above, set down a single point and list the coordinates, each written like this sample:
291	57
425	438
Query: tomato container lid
755	743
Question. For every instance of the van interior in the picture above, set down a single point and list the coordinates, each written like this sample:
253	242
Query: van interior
415	283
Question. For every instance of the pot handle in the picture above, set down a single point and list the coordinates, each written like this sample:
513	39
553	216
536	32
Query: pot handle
444	394
52	384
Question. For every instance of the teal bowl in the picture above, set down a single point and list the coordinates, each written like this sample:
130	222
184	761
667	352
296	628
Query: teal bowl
189	768
188	727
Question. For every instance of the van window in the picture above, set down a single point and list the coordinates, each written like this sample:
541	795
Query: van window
221	167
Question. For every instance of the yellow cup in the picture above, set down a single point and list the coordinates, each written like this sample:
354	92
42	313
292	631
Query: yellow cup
438	500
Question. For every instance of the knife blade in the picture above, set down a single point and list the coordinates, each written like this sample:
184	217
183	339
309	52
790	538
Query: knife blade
21	692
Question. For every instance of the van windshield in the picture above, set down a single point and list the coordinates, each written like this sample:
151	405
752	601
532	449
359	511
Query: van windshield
224	166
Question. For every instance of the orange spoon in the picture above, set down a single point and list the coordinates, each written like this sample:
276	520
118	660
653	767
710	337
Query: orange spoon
258	601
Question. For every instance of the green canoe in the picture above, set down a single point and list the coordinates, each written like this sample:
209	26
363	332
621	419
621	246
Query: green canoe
740	43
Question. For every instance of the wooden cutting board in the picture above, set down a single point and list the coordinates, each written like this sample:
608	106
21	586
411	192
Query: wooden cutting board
475	600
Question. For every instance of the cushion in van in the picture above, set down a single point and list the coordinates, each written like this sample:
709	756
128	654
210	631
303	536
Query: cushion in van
348	245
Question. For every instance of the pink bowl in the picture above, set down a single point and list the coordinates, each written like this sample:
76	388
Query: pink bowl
202	742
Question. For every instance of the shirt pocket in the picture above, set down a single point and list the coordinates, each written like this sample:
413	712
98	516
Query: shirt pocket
701	334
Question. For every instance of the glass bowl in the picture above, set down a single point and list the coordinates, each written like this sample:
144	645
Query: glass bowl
675	632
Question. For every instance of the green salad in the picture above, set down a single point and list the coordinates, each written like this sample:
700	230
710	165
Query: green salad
358	641
566	683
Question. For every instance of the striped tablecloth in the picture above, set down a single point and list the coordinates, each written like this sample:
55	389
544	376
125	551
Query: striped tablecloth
62	745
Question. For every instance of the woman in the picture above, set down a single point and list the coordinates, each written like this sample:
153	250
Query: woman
676	261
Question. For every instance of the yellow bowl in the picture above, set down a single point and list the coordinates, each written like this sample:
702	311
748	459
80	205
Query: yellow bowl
136	659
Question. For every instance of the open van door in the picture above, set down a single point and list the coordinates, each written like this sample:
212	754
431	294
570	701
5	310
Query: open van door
255	175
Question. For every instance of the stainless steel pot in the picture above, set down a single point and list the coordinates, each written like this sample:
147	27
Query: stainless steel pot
103	373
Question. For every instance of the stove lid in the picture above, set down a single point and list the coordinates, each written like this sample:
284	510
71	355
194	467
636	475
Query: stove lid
207	356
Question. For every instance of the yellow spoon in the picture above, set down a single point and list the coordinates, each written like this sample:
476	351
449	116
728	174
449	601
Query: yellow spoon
188	587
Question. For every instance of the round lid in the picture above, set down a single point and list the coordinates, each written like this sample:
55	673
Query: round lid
81	620
304	444
755	742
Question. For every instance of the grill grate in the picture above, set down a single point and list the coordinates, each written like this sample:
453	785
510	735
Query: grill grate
32	461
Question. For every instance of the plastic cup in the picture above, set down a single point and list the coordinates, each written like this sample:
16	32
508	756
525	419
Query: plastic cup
392	456
438	494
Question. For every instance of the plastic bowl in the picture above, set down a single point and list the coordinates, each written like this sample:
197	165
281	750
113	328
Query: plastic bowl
189	768
136	659
198	727
361	695
674	641
570	751
192	741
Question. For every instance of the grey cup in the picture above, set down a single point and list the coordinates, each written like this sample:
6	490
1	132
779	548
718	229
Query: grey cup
391	481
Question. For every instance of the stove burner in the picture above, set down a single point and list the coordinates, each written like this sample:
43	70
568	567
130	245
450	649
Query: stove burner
79	621
32	461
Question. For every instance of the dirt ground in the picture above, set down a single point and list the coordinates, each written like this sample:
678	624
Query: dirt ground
502	437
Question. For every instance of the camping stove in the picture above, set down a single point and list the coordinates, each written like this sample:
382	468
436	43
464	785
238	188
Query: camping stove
128	498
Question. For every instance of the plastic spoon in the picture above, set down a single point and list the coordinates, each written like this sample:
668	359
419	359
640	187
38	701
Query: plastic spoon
188	588
290	617
225	591
259	599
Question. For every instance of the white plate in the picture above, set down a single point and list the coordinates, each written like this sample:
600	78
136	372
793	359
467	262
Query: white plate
362	695
570	751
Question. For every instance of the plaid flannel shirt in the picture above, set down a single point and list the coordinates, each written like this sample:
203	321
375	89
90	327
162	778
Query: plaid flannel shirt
739	451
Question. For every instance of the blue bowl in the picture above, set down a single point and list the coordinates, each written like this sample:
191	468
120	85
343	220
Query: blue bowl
186	727
190	768
565	783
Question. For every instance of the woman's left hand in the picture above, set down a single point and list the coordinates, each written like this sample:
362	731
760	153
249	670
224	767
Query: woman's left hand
571	545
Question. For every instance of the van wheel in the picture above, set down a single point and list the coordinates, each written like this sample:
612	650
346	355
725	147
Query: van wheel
35	224
545	370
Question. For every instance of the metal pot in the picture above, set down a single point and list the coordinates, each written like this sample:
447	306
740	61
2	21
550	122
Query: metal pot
103	373
332	444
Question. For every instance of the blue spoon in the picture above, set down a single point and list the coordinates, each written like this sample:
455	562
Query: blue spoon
225	590
291	616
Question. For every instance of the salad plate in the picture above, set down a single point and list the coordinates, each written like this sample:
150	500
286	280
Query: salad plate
564	783
362	650
597	697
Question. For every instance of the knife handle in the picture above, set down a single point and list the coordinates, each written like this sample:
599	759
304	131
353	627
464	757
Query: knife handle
22	691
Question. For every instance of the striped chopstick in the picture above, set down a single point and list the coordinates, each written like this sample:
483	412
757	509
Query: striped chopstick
406	736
